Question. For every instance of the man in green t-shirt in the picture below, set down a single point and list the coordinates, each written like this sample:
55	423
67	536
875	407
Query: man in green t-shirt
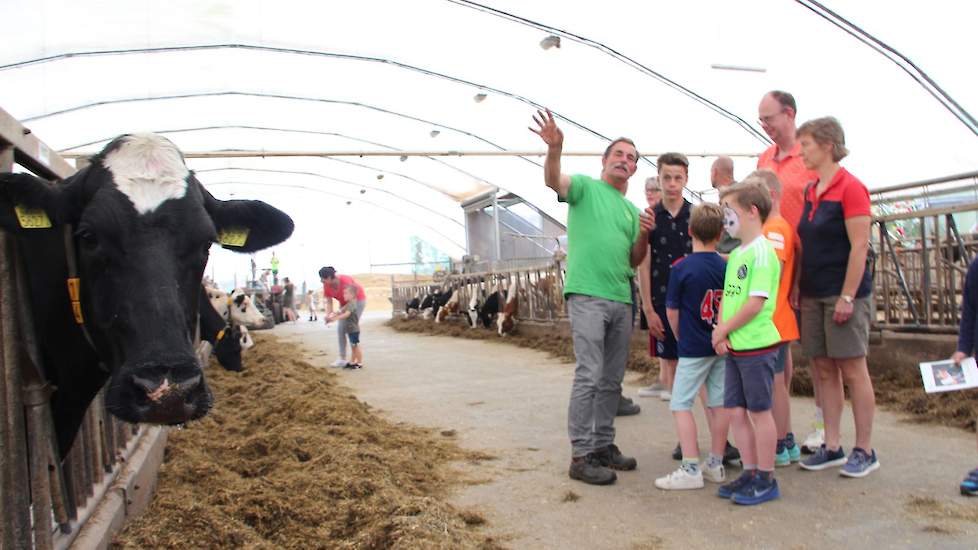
606	239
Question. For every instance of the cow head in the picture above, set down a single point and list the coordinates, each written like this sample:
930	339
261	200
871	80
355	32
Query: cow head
228	348
143	227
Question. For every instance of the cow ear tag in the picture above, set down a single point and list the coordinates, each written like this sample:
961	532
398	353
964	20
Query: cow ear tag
32	218
233	236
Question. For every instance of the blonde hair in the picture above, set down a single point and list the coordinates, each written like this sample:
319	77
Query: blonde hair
706	222
748	193
826	131
770	179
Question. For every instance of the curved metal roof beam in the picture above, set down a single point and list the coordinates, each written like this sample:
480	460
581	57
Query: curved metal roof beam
330	178
342	102
323	191
314	132
743	124
296	51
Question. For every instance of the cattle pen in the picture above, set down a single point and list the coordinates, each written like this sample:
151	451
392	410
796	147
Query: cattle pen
921	252
109	472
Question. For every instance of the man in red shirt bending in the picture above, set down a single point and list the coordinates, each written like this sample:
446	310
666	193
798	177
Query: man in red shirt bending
333	285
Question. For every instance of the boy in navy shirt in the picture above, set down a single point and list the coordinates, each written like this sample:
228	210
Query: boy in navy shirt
966	348
692	308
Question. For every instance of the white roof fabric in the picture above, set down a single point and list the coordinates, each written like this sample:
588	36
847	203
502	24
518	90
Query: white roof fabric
382	75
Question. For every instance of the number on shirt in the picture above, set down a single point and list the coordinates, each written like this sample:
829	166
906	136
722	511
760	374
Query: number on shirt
710	306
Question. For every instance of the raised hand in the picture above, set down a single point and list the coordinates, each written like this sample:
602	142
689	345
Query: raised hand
548	130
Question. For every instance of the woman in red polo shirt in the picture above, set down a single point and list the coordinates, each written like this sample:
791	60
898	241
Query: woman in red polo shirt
836	294
333	285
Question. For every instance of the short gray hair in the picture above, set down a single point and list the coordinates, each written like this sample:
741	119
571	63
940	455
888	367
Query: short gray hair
826	130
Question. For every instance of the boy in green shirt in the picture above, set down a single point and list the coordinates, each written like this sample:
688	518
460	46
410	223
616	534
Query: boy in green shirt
606	239
747	333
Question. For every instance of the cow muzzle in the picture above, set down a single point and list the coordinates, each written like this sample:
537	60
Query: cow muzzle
158	394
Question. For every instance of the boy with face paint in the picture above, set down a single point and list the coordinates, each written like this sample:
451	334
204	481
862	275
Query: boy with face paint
749	337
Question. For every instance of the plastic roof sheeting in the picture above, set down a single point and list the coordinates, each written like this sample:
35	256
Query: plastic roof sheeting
379	75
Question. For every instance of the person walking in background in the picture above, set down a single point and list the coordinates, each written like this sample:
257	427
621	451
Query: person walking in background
606	237
349	315
776	113
288	301
333	285
313	304
836	294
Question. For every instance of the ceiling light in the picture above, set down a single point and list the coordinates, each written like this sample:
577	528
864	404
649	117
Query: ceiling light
403	158
741	68
380	176
362	191
348	203
550	42
434	133
479	98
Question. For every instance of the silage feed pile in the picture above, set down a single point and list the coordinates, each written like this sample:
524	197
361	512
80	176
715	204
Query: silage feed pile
289	459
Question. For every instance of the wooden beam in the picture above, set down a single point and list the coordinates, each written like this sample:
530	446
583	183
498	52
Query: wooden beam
31	152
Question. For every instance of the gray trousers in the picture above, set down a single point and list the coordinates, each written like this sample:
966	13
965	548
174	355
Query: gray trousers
602	331
341	327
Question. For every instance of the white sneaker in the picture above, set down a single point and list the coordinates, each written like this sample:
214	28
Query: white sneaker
652	391
680	480
713	475
339	363
813	441
665	395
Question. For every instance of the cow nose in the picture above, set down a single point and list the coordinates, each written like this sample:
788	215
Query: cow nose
172	395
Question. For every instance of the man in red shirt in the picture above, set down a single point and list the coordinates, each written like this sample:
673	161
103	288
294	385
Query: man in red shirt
333	285
776	113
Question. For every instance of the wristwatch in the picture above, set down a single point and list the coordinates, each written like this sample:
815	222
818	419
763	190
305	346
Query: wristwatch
846	298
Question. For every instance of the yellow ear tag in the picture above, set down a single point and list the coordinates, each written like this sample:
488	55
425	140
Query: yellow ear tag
32	218
233	236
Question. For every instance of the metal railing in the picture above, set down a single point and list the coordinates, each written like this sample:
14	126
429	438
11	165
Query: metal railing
540	289
44	500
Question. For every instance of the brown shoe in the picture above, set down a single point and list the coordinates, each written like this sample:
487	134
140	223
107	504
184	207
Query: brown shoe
590	470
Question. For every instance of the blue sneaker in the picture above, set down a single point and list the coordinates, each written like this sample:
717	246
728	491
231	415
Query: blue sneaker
969	487
824	459
760	490
860	464
794	451
728	490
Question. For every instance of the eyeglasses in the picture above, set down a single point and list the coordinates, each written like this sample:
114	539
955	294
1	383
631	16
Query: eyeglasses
766	120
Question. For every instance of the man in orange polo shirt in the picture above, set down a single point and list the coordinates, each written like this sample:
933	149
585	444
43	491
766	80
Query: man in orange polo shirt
776	113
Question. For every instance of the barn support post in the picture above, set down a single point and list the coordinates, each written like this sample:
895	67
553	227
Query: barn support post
15	526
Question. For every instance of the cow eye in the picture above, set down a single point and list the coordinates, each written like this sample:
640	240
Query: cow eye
86	236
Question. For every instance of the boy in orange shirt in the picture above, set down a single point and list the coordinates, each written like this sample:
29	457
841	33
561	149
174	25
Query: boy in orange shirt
777	230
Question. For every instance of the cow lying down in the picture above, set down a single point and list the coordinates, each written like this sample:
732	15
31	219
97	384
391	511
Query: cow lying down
139	228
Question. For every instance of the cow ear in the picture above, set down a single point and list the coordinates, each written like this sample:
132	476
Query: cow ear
28	202
247	226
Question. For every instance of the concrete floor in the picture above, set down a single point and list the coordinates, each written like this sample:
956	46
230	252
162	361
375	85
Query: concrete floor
512	402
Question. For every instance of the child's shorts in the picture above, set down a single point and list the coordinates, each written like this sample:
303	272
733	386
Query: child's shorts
782	360
749	381
354	338
691	374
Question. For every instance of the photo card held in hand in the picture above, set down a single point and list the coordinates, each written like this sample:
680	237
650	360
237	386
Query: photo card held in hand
944	375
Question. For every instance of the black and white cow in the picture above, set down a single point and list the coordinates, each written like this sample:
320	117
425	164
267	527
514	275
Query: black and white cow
226	340
142	229
490	309
237	308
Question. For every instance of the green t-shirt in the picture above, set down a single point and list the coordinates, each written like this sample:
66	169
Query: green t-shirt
752	270
602	226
